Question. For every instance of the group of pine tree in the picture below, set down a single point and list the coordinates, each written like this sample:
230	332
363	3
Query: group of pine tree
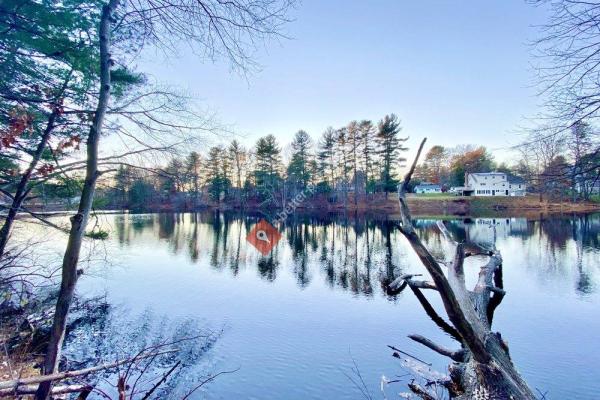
362	157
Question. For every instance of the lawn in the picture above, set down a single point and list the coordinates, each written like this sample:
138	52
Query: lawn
437	196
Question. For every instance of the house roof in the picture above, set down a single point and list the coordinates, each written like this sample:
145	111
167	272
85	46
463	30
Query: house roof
509	177
428	185
514	179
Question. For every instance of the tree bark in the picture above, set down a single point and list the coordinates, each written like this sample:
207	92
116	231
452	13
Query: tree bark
79	220
22	191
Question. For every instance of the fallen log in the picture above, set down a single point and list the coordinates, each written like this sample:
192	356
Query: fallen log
481	367
57	390
18	385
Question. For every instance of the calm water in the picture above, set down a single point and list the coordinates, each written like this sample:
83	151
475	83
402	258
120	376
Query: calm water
295	322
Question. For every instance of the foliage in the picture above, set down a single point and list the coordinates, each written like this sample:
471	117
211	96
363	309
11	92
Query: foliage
390	146
469	161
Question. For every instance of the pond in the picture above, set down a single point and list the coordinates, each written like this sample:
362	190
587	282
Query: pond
299	322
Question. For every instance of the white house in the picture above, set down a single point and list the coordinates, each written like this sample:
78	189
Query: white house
493	184
426	187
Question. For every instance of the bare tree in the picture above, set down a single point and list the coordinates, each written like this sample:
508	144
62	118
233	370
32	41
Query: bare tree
568	54
482	367
537	153
219	29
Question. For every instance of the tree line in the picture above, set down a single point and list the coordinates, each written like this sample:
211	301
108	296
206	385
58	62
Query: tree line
346	164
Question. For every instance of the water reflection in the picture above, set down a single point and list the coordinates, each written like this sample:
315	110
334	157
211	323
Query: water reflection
357	254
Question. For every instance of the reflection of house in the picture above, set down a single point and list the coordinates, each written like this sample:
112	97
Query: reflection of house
492	184
428	188
485	231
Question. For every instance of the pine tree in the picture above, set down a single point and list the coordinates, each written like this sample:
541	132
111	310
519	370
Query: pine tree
218	172
389	150
342	159
367	138
354	142
267	163
326	158
174	177
239	160
193	168
300	166
123	181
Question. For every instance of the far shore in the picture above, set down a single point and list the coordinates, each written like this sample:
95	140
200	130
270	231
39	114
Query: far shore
436	205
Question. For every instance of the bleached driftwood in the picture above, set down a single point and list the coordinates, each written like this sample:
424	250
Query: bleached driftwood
481	367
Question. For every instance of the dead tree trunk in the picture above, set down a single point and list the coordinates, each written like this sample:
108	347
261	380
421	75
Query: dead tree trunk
482	367
79	220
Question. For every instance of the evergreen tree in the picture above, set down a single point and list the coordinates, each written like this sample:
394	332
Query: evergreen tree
267	163
354	142
239	161
193	167
48	57
123	180
389	150
218	171
367	138
300	169
174	177
343	157
326	158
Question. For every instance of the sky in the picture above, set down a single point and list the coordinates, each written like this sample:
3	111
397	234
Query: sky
454	72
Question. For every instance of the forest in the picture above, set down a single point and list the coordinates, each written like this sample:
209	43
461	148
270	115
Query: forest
348	164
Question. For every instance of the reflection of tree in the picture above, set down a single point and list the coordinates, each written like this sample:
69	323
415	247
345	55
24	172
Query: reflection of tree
557	231
582	230
216	229
101	334
298	239
194	249
234	264
166	225
267	266
347	248
328	254
367	288
386	228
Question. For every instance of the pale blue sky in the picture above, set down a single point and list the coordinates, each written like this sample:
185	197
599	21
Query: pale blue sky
457	72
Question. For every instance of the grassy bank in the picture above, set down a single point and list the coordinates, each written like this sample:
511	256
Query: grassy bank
443	203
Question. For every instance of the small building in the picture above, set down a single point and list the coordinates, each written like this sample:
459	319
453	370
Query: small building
493	184
426	187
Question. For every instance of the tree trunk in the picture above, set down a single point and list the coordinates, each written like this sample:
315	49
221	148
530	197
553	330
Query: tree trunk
482	367
79	220
22	190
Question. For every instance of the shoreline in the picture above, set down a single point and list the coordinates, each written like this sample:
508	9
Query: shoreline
420	206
